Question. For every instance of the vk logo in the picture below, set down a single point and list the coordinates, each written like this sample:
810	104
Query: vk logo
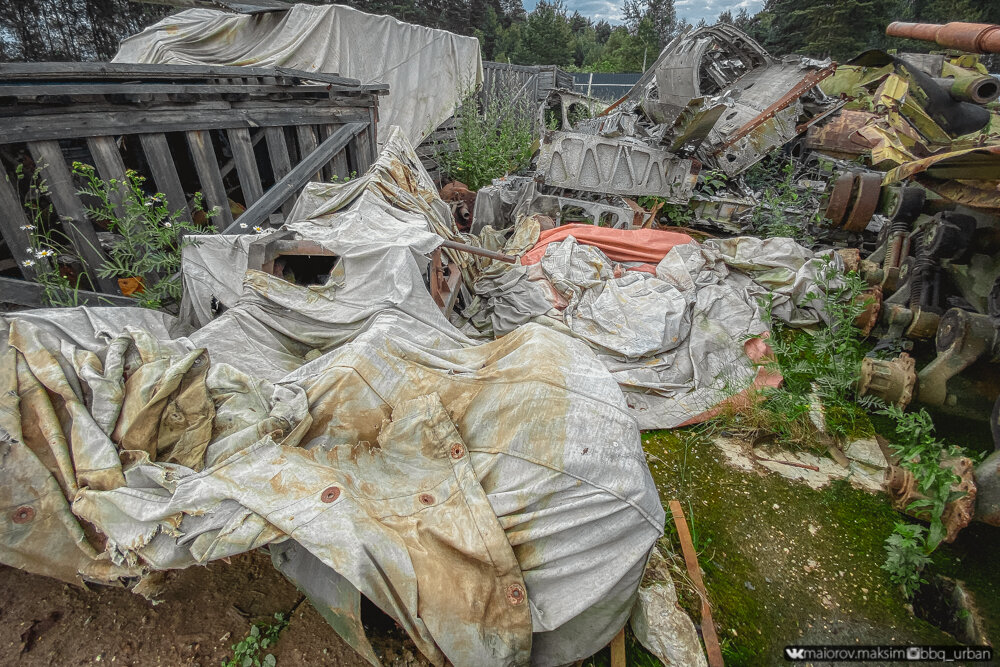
795	653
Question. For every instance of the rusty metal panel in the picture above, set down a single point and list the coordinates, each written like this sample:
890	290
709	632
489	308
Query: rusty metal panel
594	163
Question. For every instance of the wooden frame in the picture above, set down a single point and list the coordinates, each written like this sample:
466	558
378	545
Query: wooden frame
176	124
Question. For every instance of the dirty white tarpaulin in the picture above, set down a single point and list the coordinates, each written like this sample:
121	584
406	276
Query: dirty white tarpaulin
679	337
427	70
494	499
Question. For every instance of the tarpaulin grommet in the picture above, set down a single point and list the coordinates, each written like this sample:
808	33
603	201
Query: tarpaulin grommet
457	451
515	594
330	494
426	498
23	514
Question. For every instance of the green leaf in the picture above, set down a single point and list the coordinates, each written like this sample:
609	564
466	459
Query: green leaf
270	660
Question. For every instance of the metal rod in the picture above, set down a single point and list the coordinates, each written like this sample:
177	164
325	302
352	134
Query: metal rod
455	245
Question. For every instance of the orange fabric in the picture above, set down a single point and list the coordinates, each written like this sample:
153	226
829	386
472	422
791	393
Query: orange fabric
622	245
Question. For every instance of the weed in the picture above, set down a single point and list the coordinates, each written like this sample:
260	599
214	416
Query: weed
336	178
918	451
772	218
906	556
47	244
247	652
820	368
149	237
492	142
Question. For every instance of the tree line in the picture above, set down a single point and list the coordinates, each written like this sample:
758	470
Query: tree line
548	35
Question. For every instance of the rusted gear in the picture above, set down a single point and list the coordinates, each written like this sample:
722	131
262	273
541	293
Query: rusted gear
851	258
865	202
892	381
840	198
872	300
901	486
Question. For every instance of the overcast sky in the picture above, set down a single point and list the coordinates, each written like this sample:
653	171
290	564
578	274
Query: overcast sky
692	10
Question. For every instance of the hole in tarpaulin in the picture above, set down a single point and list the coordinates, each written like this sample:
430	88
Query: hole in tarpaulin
305	269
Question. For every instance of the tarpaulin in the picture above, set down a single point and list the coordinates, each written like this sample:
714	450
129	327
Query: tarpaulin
680	340
632	245
428	70
493	499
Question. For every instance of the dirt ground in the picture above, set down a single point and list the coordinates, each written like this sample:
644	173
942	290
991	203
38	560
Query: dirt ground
204	610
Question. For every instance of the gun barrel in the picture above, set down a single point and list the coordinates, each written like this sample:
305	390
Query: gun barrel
971	37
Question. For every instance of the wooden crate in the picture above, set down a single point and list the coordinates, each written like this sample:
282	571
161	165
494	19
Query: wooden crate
252	136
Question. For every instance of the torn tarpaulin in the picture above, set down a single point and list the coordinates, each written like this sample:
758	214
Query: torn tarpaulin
679	339
493	499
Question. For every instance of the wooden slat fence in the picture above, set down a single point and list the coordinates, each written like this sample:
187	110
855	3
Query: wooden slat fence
247	138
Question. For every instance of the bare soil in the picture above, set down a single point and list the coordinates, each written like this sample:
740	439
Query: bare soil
204	610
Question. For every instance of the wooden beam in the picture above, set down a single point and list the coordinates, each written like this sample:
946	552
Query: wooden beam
325	130
712	648
24	293
40	88
306	135
16	129
110	167
246	165
12	218
64	71
164	169
281	162
209	176
297	178
62	192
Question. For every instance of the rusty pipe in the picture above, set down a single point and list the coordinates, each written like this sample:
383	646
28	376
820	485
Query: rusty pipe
981	89
971	37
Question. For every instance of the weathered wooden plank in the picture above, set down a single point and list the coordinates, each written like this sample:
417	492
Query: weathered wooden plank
12	218
67	71
62	192
246	165
336	106
164	170
306	135
37	89
297	177
281	163
110	167
324	133
209	176
365	157
24	293
78	125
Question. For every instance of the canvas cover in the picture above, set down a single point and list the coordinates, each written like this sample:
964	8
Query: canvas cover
427	70
492	498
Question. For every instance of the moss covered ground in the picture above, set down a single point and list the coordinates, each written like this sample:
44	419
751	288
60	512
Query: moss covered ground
783	563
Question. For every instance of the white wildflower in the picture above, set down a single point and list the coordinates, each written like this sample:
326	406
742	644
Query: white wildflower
28	262
168	224
258	229
45	253
243	225
27	228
